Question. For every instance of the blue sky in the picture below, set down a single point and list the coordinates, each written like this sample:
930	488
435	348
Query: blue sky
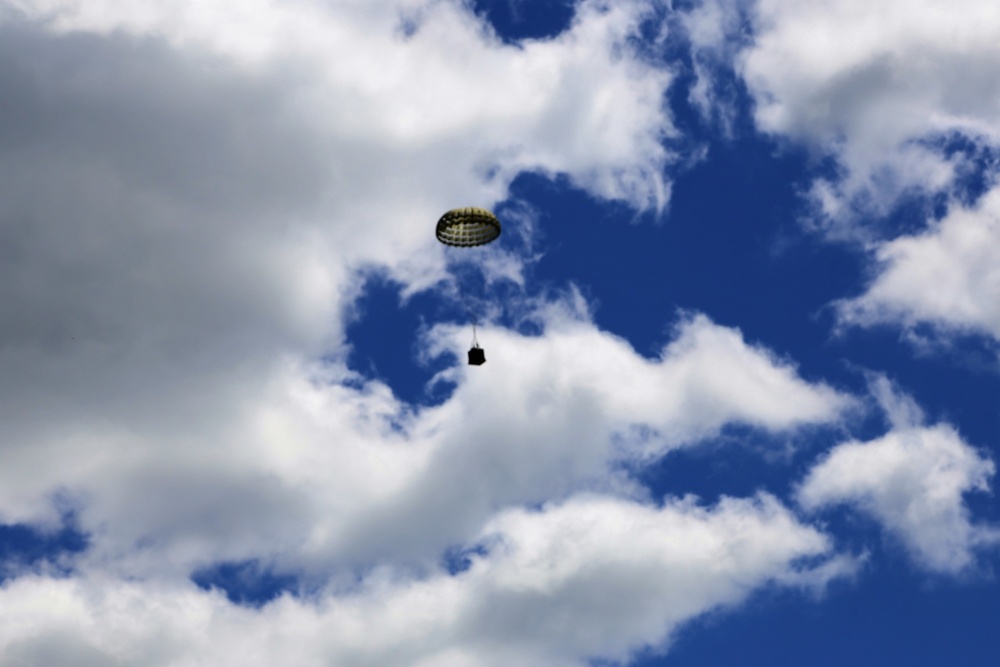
742	330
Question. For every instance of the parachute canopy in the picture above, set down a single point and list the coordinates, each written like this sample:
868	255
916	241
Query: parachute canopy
467	227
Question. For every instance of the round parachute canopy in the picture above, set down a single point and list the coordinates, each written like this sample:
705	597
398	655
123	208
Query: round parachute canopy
467	227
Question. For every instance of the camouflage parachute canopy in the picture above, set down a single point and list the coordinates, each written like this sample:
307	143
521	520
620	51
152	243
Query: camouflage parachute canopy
467	227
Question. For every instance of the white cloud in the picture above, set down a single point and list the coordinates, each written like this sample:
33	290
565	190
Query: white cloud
555	412
581	104
880	87
314	477
947	276
555	588
874	84
912	481
716	34
188	193
901	410
187	189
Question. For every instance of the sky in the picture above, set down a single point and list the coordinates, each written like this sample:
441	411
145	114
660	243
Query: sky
741	404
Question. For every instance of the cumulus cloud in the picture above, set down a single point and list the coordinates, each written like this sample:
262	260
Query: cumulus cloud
947	276
557	411
879	83
888	90
429	78
189	192
879	87
316	476
556	587
912	481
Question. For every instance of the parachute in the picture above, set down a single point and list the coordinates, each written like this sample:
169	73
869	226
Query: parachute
466	228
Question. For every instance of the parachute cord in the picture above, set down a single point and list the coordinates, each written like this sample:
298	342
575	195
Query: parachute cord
475	320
